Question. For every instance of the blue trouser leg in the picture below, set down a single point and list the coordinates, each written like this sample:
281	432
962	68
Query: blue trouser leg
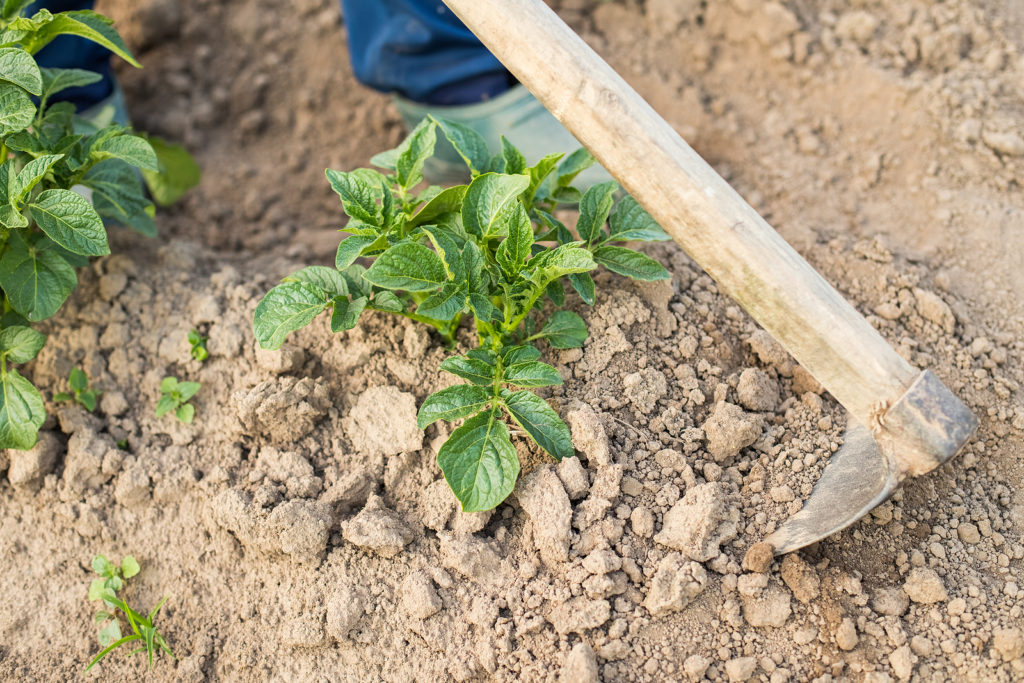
70	52
420	50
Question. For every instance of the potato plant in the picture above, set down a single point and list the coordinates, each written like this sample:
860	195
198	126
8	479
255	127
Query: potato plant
59	179
491	251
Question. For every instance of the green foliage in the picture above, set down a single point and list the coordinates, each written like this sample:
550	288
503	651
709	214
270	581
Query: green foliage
175	396
50	167
80	392
111	580
198	344
491	251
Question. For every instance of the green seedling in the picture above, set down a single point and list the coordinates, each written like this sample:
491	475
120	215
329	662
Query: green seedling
81	394
174	396
106	588
48	229
198	344
492	251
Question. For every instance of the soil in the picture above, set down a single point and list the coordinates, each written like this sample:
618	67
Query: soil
302	533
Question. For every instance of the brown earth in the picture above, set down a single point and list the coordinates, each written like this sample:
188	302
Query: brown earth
303	534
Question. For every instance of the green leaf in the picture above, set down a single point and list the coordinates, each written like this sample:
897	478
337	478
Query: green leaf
69	220
538	173
21	411
540	421
556	292
630	221
346	313
77	380
111	633
515	162
16	109
286	308
185	413
387	160
187	390
33	172
584	286
448	201
409	266
87	399
12	8
327	279
519	354
565	330
117	192
88	25
481	306
164	405
168	385
413	152
595	206
479	462
129	567
451	404
469	144
358	197
351	248
56	80
477	371
102	566
630	263
18	67
96	588
177	172
36	281
445	303
387	301
532	374
488	201
20	344
514	250
447	245
562	260
574	164
128	148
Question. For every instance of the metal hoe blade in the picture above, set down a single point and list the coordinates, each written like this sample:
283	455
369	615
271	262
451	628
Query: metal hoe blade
858	477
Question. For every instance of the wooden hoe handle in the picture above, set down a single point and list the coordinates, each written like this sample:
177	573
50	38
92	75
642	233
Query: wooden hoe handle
709	219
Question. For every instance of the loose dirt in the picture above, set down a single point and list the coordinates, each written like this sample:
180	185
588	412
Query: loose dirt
303	533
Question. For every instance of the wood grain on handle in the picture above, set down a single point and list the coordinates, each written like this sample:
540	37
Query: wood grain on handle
719	230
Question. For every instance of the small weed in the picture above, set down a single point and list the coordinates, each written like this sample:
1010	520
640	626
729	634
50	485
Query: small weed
198	343
106	588
81	394
174	395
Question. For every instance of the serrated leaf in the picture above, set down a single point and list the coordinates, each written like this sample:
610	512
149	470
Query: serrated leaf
574	164
18	67
445	303
36	281
358	197
540	421
177	172
468	143
515	162
487	202
514	250
452	403
20	344
285	309
409	266
16	109
565	330
328	279
532	374
413	153
630	222
56	80
88	25
584	286
479	462
70	220
447	201
630	263
29	176
346	313
128	148
350	248
595	206
475	370
129	567
21	411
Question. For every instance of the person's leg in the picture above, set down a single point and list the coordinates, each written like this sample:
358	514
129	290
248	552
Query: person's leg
70	52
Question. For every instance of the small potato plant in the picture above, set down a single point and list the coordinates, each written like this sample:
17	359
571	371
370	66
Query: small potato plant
50	162
197	344
491	251
175	396
78	383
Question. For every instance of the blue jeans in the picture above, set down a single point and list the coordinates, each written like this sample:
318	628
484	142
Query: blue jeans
70	52
420	50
